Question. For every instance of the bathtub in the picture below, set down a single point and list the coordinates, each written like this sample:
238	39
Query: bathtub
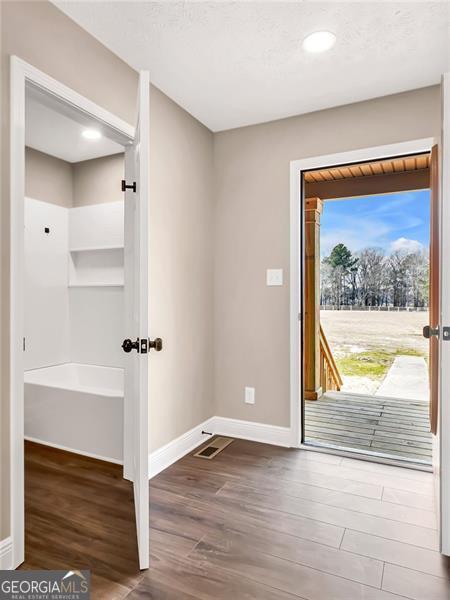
76	407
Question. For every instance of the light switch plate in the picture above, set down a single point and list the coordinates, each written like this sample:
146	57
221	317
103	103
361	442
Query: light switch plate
249	395
274	277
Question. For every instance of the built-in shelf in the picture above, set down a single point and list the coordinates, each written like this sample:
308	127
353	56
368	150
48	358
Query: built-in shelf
95	284
96	248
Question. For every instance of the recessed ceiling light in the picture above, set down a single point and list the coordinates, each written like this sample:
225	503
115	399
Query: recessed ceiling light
319	41
91	134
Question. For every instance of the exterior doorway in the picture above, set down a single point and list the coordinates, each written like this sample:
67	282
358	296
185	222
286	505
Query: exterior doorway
367	272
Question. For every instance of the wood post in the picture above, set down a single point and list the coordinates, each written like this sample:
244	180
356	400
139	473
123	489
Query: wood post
311	339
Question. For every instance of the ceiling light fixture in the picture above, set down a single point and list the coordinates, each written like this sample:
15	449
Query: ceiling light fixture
91	134
319	41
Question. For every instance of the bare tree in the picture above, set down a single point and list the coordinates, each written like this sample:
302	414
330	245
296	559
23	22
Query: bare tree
371	278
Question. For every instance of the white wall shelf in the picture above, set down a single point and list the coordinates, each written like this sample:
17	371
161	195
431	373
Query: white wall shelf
96	245
96	249
95	284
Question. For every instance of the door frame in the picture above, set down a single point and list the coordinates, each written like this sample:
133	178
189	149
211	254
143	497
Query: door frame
22	73
296	268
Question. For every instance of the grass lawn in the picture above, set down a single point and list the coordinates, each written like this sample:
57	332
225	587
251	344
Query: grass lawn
373	363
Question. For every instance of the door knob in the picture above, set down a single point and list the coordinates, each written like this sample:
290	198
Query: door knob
156	344
128	345
428	332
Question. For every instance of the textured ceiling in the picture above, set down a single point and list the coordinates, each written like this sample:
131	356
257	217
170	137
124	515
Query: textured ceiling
237	63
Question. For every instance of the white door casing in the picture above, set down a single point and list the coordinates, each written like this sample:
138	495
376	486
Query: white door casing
296	254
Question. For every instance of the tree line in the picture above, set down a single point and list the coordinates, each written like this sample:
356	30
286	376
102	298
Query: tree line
372	278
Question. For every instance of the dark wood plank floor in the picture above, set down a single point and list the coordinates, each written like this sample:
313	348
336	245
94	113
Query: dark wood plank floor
384	426
258	522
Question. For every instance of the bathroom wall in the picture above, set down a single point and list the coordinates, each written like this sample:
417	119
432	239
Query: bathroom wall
46	291
48	178
74	275
96	293
98	180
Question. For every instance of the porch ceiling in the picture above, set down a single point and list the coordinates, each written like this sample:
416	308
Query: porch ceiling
397	174
370	169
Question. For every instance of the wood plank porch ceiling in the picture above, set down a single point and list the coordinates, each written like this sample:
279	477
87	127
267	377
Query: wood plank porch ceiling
370	169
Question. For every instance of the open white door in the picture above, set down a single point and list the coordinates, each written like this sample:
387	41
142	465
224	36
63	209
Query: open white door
136	399
443	470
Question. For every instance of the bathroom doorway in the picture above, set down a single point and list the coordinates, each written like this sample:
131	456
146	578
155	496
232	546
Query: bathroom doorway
79	294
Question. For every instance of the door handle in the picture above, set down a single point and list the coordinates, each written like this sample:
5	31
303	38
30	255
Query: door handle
142	345
128	345
429	332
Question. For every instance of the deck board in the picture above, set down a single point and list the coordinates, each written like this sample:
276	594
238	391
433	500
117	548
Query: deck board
397	428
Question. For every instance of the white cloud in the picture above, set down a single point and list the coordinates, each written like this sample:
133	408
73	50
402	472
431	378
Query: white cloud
406	245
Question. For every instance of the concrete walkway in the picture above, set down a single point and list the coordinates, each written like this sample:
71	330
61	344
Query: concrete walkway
407	378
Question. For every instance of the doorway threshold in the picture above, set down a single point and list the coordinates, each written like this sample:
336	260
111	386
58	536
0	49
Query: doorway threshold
357	454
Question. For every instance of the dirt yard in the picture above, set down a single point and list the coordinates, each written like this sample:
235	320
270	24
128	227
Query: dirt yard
365	343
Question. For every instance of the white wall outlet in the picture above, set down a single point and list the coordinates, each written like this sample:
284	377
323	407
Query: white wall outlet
249	395
274	277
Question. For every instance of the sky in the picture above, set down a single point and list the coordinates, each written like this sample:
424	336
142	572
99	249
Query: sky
388	221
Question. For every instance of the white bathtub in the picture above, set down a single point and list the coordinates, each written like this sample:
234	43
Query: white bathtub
76	407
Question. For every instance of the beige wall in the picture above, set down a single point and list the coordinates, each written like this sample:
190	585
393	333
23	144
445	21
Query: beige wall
98	180
181	205
48	178
181	263
252	234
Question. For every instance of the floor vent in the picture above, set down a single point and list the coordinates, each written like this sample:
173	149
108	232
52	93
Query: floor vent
213	448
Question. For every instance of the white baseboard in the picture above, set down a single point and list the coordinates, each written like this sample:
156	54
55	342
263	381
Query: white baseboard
255	432
6	554
165	456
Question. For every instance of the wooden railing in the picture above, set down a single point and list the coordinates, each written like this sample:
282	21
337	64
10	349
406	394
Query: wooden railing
330	378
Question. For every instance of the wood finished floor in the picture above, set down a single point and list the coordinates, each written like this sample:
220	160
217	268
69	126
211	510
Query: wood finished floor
390	426
258	522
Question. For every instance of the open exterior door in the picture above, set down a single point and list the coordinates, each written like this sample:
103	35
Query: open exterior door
443	416
136	425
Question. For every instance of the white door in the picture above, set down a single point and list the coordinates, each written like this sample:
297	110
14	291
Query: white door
136	318
443	439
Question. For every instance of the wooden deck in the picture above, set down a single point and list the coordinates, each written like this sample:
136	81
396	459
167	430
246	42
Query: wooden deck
395	428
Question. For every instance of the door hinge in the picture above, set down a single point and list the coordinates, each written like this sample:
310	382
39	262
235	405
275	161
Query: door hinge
126	187
24	344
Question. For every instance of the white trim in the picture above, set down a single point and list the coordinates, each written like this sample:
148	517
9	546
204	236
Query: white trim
168	454
296	204
21	73
246	430
255	432
444	417
73	450
26	71
6	554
